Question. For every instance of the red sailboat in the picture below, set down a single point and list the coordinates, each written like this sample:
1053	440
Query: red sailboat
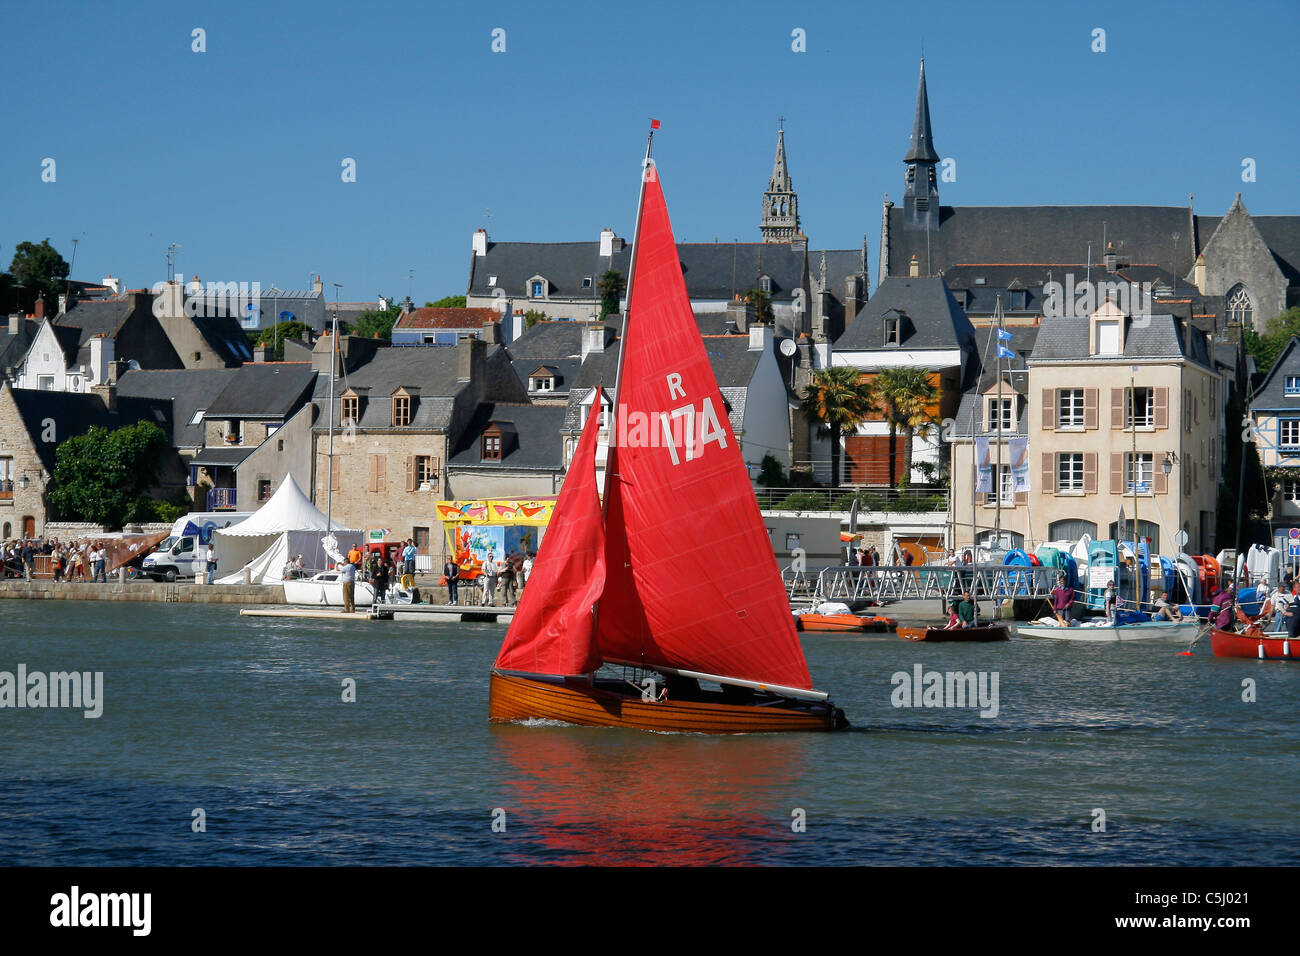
675	582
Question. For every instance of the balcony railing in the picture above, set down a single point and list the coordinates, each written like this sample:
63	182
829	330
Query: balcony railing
841	499
221	498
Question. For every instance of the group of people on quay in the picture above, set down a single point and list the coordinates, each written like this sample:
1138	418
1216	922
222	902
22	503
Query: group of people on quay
68	560
510	573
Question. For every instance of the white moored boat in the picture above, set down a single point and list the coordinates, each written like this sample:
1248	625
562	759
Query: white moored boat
325	590
1098	629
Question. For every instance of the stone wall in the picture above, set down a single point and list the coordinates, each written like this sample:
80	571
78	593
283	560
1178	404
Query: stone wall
180	593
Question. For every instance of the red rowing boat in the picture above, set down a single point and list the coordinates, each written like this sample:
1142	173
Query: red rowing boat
980	632
844	622
1255	645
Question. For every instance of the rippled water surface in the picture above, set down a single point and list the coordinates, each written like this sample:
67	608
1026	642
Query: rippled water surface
244	718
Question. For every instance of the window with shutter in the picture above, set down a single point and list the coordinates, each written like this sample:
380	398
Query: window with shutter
1090	473
1116	473
1160	407
1049	473
1090	408
1117	408
410	473
336	473
1049	409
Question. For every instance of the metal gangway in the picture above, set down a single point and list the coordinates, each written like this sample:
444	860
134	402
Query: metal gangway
881	583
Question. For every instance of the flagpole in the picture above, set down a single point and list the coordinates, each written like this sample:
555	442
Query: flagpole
997	472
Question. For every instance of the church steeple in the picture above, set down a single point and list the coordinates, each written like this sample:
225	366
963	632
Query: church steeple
921	189
780	222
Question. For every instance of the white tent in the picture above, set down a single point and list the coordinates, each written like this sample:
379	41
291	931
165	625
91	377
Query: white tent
287	525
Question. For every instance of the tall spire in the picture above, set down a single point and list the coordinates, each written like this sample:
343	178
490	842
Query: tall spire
921	147
921	188
780	222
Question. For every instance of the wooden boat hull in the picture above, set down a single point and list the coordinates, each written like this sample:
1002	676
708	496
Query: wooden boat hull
514	697
844	622
1230	644
1173	631
981	632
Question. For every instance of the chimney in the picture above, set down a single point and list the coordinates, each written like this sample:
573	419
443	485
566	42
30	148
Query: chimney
740	314
107	394
492	332
1198	276
609	243
15	322
38	310
480	242
115	370
320	355
1110	258
799	243
407	305
593	339
196	287
63	305
171	301
470	354
760	337
852	299
113	283
101	356
317	286
262	353
914	267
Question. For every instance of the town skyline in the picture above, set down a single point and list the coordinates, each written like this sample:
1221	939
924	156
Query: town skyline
255	191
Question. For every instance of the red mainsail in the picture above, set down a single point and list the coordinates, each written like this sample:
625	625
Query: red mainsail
691	580
553	630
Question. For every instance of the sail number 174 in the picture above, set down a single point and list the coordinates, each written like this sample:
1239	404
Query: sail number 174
690	429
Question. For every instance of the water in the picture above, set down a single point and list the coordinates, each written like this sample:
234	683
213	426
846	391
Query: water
244	718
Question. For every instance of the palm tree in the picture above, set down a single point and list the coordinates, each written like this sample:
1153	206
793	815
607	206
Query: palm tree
905	396
838	401
611	286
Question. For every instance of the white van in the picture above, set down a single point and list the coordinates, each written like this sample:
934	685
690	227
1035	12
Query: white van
180	554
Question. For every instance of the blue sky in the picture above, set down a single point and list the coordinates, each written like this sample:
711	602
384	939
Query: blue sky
236	152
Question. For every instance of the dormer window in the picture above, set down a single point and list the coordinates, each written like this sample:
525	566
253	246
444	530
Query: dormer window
1004	420
960	296
401	407
349	408
765	284
539	287
492	280
1107	336
892	330
605	405
1018	300
543	379
491	450
586	282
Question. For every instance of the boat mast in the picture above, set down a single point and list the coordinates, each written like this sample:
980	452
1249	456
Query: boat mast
329	485
1137	561
997	472
610	454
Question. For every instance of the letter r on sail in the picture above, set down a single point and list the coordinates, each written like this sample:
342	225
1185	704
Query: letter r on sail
675	389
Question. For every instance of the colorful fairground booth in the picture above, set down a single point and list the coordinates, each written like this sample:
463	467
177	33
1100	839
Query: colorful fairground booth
502	526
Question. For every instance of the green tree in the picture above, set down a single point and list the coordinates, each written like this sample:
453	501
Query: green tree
41	270
837	401
447	302
762	302
906	396
611	286
532	317
274	336
377	322
103	475
771	475
1265	347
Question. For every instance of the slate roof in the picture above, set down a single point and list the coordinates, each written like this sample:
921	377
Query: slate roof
934	320
75	413
712	270
429	374
1048	234
264	389
14	347
567	370
970	413
1162	337
226	337
1271	393
188	391
1022	343
223	456
438	318
531	438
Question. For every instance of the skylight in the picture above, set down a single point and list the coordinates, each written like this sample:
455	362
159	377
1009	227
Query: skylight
198	416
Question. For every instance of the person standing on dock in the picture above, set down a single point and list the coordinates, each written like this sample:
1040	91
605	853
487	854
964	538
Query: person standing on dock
379	578
489	579
98	558
451	571
212	561
408	562
508	579
348	575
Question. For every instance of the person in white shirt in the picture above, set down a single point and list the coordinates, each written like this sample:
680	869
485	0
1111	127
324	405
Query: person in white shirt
211	558
490	570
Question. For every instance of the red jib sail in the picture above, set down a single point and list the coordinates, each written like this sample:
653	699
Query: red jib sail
691	580
553	630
